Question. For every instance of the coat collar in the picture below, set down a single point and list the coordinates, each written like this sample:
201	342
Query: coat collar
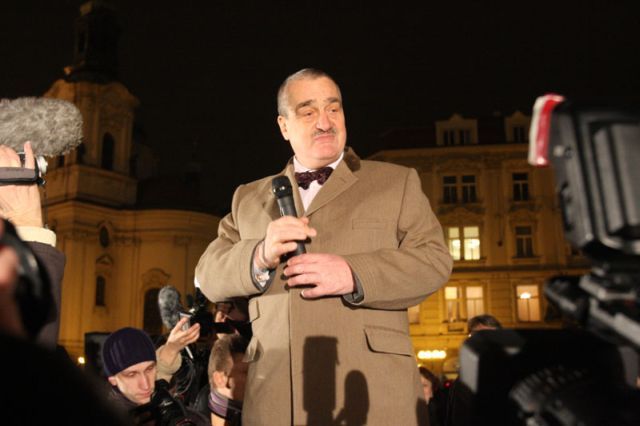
341	179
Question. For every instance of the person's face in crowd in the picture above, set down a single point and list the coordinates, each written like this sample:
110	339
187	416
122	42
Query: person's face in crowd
136	382
232	385
427	388
315	124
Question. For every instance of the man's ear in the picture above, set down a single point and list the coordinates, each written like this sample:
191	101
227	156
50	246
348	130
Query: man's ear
112	380
220	379
282	123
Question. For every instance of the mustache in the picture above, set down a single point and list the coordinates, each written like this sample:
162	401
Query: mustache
331	131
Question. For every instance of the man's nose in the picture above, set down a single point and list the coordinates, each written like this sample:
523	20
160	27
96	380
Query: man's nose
324	122
145	382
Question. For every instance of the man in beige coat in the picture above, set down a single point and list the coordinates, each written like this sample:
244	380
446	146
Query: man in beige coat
330	331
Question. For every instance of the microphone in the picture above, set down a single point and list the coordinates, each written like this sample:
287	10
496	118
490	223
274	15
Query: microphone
170	306
53	126
281	187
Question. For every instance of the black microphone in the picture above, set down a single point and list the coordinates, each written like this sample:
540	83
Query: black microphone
170	306
281	187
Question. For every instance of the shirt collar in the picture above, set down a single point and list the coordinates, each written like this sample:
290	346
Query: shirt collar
299	168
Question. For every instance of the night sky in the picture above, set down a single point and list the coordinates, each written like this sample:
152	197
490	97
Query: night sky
206	72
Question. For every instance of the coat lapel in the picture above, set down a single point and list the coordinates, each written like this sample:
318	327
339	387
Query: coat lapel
341	179
270	203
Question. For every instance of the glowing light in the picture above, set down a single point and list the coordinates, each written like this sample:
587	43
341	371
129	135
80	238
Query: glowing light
433	354
525	295
81	360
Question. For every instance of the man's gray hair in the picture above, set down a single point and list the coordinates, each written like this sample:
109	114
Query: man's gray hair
303	74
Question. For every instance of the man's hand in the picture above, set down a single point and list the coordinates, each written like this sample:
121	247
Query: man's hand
178	339
330	274
282	237
20	203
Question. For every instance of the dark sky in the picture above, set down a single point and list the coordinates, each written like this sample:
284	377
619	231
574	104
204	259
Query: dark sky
207	71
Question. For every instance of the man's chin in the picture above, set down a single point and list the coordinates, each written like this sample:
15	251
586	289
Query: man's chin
143	399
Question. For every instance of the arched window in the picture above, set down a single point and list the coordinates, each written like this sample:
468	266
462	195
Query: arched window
101	284
152	323
108	147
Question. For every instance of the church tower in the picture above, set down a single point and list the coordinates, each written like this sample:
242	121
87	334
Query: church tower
119	253
99	170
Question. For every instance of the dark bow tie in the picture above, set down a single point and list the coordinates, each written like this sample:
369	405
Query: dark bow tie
304	179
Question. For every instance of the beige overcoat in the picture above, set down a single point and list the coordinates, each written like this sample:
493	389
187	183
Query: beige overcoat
327	361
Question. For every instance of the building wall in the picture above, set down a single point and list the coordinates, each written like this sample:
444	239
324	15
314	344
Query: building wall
498	271
146	250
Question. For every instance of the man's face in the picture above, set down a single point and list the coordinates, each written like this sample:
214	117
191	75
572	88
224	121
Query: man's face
427	388
314	124
136	382
232	385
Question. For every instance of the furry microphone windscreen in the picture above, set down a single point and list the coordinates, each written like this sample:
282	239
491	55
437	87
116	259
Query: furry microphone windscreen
53	126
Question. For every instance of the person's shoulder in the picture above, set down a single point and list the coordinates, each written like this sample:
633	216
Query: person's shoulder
380	167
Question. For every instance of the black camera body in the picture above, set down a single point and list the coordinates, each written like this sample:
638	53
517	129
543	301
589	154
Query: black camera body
163	409
587	374
33	289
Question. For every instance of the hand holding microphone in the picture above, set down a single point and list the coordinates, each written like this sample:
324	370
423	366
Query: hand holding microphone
285	235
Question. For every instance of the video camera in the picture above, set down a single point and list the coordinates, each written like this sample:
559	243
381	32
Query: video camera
586	375
162	410
33	289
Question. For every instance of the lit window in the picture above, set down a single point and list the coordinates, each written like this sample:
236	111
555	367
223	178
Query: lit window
463	302
464	242
528	303
524	241
475	301
520	186
452	300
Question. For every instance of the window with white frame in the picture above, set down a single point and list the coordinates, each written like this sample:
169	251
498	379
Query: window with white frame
528	303
520	186
449	189
452	185
463	302
468	189
524	241
463	242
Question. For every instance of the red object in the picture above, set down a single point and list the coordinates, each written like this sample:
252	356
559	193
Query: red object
541	127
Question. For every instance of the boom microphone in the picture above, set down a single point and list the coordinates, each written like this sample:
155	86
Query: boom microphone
170	306
281	187
53	126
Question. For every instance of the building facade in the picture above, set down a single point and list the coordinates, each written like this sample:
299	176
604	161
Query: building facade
502	224
119	253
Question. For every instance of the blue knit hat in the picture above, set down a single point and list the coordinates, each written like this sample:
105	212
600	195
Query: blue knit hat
124	348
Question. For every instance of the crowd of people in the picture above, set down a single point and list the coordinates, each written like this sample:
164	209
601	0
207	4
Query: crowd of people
298	325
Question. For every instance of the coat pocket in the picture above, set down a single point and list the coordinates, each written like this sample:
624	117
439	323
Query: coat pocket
254	310
388	341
